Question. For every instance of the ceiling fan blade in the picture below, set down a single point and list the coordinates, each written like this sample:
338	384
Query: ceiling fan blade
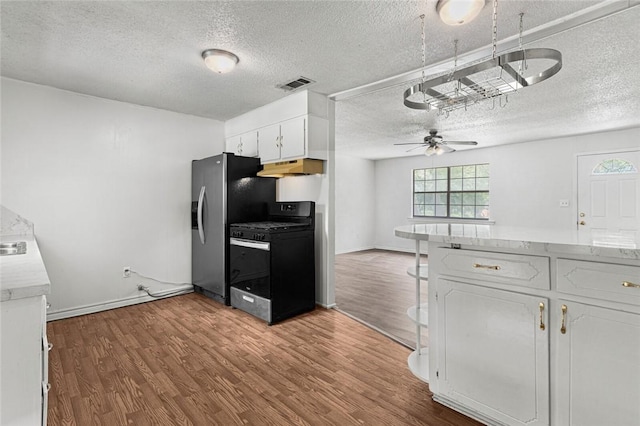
416	147
446	149
410	143
460	142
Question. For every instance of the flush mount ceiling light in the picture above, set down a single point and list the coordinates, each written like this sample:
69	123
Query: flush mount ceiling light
219	61
459	12
489	79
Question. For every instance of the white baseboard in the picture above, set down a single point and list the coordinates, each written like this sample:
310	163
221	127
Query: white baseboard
400	249
351	250
113	304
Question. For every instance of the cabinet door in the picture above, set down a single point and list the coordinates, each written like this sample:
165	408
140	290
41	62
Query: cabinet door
250	144
234	144
269	143
598	367
293	139
493	356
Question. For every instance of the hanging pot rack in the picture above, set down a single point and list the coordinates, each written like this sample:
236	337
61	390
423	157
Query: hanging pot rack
467	91
487	79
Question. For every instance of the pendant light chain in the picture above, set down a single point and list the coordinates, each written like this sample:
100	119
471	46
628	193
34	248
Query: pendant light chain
494	38
523	63
424	58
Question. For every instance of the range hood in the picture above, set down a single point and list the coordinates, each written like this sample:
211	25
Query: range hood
292	168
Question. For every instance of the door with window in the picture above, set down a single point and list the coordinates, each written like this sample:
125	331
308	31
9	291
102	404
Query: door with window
609	194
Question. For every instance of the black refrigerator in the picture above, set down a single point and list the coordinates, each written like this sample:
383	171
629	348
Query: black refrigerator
224	190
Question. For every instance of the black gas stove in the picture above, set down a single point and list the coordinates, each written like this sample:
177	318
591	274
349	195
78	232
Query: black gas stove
272	263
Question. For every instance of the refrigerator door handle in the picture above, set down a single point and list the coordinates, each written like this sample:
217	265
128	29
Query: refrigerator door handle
200	207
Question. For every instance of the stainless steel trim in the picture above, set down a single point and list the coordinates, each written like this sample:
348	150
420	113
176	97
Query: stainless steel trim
250	244
200	206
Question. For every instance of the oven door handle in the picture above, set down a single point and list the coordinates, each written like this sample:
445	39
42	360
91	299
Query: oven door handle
250	244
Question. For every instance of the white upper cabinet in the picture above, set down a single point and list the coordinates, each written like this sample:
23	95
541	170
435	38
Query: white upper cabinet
291	128
285	141
245	144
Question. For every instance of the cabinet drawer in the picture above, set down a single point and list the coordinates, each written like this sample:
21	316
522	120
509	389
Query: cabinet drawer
519	270
599	280
252	304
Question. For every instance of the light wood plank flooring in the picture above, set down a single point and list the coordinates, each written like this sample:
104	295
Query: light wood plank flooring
189	360
373	286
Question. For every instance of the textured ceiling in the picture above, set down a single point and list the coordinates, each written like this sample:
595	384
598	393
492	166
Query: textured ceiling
148	53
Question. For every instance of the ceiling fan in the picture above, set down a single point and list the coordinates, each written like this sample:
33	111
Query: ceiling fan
436	145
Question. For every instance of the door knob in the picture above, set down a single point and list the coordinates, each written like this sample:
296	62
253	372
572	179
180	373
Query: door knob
582	222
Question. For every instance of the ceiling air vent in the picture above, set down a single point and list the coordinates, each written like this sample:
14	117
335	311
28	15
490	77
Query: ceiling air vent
296	84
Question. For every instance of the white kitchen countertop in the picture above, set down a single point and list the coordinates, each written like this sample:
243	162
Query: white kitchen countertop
23	275
565	241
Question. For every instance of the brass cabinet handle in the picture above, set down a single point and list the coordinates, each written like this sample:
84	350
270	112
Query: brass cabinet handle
630	284
492	267
542	327
563	328
582	222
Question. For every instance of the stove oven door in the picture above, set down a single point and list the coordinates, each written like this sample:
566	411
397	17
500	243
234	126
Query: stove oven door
249	264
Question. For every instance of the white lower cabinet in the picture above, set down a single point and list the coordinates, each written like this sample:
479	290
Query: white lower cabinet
598	371
493	352
558	346
23	362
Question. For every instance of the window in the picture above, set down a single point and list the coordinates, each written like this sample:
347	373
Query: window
614	166
452	192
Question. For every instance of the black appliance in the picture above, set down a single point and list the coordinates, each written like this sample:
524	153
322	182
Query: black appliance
224	190
272	263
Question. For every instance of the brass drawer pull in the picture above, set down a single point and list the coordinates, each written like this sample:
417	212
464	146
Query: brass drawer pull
481	266
563	328
630	284
542	327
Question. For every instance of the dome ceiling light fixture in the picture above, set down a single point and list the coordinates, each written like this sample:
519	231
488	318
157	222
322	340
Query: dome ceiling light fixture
459	12
220	61
491	78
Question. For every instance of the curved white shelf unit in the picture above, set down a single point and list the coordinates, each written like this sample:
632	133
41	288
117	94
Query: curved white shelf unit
421	316
419	364
424	271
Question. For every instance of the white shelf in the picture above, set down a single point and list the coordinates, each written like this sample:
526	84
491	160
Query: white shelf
424	271
419	364
420	318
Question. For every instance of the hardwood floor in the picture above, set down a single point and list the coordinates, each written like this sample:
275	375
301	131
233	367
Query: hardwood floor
189	360
373	286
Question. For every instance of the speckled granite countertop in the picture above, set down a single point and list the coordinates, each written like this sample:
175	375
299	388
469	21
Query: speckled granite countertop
604	244
23	275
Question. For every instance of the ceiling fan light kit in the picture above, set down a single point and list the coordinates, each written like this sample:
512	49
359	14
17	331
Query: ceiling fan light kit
220	61
483	80
459	12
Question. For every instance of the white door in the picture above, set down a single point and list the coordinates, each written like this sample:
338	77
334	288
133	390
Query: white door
609	194
293	138
269	143
493	352
598	367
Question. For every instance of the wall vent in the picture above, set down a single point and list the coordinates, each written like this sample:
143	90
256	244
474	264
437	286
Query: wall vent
295	84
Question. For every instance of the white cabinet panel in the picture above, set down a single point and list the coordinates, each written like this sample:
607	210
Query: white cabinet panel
493	355
233	144
249	144
269	143
292	139
21	363
526	271
598	367
599	280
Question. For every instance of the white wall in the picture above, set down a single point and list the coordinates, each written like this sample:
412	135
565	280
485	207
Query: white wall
528	180
355	204
107	185
321	190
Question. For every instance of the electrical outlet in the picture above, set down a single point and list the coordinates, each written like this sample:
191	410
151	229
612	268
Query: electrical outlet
126	271
564	203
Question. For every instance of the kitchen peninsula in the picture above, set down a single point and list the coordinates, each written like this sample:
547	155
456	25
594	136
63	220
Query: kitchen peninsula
532	326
